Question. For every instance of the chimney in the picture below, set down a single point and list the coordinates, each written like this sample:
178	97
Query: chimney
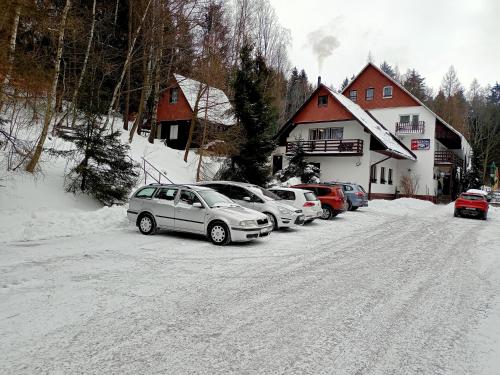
319	81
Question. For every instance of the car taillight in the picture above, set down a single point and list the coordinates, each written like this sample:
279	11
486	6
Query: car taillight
309	204
360	194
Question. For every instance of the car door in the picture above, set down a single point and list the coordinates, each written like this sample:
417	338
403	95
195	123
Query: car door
242	196
189	218
164	206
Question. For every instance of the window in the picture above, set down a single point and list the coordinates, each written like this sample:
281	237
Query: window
285	194
310	196
322	100
327	133
188	197
387	92
239	193
167	194
323	191
347	188
373	174
174	95
382	175
390	177
174	132
146	192
353	95
370	93
414	120
404	119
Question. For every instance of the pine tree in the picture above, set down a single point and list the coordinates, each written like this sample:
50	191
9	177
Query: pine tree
299	167
344	84
103	169
387	69
494	95
256	115
415	83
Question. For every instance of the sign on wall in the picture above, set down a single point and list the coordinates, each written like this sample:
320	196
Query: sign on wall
420	144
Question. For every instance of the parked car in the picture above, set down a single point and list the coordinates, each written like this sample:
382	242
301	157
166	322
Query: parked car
487	192
472	204
333	201
495	199
195	209
305	200
279	214
355	194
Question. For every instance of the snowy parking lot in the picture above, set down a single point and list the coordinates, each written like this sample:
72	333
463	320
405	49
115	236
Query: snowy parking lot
399	287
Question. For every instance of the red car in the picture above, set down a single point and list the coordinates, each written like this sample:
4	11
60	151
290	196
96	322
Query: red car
333	201
471	204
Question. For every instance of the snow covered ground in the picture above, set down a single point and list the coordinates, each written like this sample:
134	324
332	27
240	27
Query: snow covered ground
399	287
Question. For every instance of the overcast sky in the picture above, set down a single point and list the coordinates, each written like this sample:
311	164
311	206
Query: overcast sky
428	35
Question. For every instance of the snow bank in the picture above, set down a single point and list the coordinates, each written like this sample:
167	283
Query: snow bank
400	206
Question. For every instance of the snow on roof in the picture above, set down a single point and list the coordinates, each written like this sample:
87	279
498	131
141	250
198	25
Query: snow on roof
214	101
378	131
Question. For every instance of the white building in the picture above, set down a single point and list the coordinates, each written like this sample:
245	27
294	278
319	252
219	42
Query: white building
379	135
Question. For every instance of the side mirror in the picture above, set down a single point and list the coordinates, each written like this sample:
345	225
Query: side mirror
197	205
247	199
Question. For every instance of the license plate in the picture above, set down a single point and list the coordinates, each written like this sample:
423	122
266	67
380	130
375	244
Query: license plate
470	208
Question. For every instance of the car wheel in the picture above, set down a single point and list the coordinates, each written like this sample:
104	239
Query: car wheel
272	220
146	224
219	233
354	208
456	213
485	216
327	212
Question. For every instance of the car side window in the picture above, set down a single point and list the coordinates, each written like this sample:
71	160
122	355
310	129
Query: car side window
348	188
287	195
239	193
220	188
322	192
188	197
146	192
167	194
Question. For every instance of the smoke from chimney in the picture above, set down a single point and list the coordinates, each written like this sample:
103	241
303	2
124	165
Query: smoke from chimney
322	45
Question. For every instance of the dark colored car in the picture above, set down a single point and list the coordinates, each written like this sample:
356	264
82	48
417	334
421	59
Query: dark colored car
355	194
332	198
472	204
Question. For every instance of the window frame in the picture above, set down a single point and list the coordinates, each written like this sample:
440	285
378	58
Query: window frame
382	175
372	90
174	98
387	96
167	189
176	135
320	104
354	97
373	174
389	177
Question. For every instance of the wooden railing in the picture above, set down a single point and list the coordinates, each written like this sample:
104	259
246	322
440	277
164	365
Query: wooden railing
447	157
410	127
340	146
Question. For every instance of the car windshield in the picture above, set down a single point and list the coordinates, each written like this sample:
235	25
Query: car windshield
268	196
472	197
215	199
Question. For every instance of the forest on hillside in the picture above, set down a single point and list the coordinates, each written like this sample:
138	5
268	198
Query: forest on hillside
61	59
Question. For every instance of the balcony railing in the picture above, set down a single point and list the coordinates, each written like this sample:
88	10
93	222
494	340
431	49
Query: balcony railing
410	127
329	146
447	157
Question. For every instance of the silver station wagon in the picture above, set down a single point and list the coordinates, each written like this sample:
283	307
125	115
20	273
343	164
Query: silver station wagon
195	209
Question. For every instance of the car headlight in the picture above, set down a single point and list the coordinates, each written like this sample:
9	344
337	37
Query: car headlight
284	211
248	223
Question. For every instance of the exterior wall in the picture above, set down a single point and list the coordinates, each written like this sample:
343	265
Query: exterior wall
423	168
372	77
182	134
384	188
340	168
311	112
173	111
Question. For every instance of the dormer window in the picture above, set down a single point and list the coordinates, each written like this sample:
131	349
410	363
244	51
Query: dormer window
174	95
353	95
322	100
370	93
387	92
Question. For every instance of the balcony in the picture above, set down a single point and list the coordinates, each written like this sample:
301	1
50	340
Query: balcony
410	127
346	147
447	158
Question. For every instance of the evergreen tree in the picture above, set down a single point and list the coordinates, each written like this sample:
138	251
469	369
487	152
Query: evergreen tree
298	90
103	169
387	69
415	83
344	84
299	167
494	95
257	117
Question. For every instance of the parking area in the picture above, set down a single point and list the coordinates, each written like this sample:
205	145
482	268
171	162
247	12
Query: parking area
391	288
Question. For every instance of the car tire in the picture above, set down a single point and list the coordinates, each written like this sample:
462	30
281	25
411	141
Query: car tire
456	213
219	234
354	208
485	216
146	224
272	220
327	212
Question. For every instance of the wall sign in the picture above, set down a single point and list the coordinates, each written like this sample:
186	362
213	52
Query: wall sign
420	144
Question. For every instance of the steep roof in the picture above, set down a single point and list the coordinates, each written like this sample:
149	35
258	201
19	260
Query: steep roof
375	128
214	101
370	64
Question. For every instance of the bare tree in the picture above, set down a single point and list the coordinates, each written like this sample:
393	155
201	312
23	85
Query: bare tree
51	96
12	50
